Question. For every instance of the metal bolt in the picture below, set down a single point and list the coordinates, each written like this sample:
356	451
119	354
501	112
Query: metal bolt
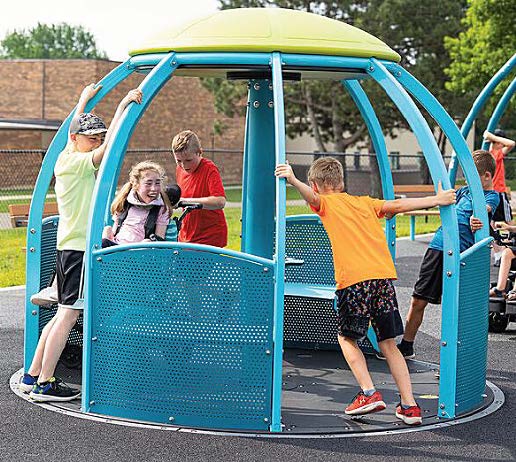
256	104
256	86
34	312
94	339
393	226
392	243
32	249
443	414
450	252
441	406
270	86
267	352
176	252
174	63
92	403
96	246
266	420
171	419
266	270
398	73
371	68
270	104
99	258
448	273
32	231
444	344
462	263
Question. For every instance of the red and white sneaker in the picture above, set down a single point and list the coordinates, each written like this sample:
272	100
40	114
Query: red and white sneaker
363	404
411	416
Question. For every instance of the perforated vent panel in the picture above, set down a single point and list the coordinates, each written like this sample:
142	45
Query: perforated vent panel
307	240
473	322
183	337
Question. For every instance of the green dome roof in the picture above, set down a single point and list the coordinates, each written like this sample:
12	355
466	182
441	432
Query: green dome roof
258	30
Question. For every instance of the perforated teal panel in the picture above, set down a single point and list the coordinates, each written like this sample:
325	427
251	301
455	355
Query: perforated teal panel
48	249
307	240
472	332
182	336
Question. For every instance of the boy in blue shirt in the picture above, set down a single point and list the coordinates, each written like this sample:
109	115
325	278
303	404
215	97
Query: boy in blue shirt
429	286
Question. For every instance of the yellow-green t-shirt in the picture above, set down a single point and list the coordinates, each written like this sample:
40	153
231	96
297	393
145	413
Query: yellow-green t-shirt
75	180
357	238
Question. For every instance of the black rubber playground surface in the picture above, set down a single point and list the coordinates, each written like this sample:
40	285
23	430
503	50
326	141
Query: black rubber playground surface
317	387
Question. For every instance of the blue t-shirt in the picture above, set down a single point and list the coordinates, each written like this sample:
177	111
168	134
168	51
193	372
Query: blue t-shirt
464	207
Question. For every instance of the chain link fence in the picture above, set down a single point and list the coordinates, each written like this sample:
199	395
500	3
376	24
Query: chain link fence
20	169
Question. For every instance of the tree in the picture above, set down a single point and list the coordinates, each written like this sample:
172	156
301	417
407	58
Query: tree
323	109
55	41
478	52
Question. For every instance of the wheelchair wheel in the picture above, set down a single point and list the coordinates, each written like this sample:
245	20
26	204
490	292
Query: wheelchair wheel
72	356
498	322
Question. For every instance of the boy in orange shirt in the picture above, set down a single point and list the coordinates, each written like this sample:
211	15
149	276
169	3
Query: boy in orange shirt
364	271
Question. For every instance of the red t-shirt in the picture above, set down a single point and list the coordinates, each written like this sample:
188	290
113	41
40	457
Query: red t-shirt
499	176
203	226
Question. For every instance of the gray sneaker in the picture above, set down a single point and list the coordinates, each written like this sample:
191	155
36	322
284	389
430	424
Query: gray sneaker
406	351
46	296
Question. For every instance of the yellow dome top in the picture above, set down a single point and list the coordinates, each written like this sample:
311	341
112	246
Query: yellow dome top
258	30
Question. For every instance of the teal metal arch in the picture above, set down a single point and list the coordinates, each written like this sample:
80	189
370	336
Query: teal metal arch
477	106
268	249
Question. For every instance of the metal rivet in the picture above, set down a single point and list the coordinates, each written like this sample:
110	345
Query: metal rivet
174	63
398	73
371	68
270	86
256	86
444	344
483	395
32	249
96	246
34	312
171	419
462	263
393	226
92	403
32	231
267	352
256	104
94	339
443	413
99	258
270	104
450	252
448	273
176	252
442	406
392	243
266	270
266	419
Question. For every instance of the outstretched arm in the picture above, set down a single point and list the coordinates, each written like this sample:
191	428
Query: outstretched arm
443	197
508	144
308	194
133	96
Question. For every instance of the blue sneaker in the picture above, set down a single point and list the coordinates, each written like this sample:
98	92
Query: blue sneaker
53	390
27	382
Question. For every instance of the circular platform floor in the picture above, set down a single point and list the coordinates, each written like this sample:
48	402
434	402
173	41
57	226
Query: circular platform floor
317	386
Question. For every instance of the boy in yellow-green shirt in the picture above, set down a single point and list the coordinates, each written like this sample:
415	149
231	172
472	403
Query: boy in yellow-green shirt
364	271
75	179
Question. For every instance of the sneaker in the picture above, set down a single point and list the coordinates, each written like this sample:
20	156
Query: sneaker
27	382
53	390
406	350
411	416
363	404
46	296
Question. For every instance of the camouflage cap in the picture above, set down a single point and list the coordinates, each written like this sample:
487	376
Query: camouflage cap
87	124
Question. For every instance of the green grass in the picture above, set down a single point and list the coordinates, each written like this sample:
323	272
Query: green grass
235	194
12	257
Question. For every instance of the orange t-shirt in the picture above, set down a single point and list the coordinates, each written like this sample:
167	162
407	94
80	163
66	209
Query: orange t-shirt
357	238
499	176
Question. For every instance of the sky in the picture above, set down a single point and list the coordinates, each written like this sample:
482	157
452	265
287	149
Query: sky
118	25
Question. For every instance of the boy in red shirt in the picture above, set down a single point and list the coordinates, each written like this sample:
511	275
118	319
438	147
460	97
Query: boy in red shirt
364	271
200	182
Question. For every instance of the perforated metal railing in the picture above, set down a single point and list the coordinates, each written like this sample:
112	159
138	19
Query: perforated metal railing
182	335
472	327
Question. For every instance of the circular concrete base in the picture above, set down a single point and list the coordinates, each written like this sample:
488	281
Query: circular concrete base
317	386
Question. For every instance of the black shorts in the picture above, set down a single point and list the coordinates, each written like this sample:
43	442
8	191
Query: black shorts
429	284
68	270
369	301
503	212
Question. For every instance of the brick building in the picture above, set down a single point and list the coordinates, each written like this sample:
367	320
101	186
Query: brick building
37	95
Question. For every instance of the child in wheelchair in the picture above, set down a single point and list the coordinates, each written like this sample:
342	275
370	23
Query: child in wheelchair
507	264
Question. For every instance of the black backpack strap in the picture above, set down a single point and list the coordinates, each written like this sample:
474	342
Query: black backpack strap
121	217
152	218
